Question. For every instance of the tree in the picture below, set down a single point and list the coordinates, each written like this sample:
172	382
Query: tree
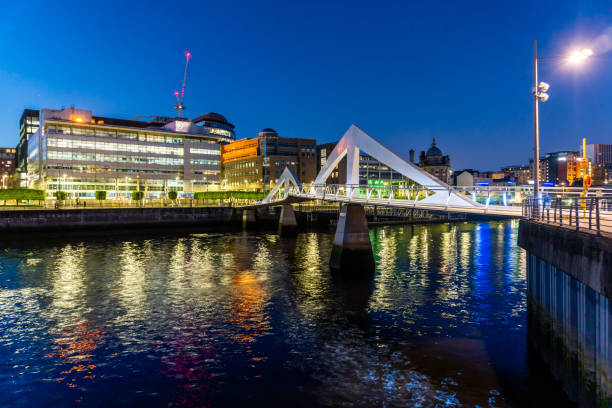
138	196
21	194
60	196
172	195
100	196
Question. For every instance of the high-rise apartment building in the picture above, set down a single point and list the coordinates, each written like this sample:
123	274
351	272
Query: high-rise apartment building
256	163
79	153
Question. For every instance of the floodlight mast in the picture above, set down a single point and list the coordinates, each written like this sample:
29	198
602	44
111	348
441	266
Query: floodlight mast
179	99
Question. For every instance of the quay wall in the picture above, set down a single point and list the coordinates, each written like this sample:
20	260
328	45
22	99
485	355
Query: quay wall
569	307
38	220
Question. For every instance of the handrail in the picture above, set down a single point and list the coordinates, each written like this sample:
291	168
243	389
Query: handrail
581	213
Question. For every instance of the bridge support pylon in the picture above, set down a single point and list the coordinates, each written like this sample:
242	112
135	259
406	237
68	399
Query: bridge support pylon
352	250
287	224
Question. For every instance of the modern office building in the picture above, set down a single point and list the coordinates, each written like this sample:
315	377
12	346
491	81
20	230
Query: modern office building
371	171
435	163
28	125
256	163
79	153
599	153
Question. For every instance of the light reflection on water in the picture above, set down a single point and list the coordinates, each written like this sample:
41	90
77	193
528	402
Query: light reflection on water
215	319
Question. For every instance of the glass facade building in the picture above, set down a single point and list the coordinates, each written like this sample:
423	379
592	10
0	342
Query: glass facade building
79	153
28	125
371	171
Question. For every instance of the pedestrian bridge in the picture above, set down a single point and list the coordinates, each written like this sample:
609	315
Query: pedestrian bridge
423	191
420	190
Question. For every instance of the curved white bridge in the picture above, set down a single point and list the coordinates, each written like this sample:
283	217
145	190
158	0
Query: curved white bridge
427	192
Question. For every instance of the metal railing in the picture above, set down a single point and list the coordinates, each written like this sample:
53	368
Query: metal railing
580	213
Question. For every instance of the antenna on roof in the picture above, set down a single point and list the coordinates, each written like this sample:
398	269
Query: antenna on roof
179	97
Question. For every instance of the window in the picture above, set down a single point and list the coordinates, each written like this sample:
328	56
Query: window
214	152
105	133
155	138
82	131
126	135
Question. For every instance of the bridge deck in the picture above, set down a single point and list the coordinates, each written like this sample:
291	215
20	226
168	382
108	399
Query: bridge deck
399	203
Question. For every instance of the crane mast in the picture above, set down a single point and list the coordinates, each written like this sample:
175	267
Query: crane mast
181	96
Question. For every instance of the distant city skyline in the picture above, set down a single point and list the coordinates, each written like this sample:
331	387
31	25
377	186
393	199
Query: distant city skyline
405	74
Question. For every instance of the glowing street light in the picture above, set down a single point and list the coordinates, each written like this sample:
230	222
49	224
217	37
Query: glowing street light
540	95
579	56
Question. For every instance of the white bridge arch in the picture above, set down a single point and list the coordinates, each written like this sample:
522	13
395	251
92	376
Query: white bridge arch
437	193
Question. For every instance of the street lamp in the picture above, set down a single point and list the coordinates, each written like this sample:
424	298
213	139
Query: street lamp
539	94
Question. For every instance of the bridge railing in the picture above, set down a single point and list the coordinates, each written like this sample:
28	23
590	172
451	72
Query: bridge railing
375	190
581	213
486	195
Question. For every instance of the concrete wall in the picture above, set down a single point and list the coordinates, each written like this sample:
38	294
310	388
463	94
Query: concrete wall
583	255
110	218
569	292
571	326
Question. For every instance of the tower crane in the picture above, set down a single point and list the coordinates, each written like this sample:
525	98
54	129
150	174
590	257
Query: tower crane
180	96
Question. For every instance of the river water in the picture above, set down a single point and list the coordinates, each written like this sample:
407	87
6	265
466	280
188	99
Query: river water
207	319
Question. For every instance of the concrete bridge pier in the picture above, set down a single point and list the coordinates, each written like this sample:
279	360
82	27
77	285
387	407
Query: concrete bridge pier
352	250
287	224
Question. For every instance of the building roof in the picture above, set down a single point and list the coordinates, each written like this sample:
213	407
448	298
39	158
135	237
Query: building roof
212	117
268	132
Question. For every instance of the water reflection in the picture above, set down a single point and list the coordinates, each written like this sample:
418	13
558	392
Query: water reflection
237	319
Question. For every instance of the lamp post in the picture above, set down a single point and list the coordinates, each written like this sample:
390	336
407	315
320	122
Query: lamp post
539	94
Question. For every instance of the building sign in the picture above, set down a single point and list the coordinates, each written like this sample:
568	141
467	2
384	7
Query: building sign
182	126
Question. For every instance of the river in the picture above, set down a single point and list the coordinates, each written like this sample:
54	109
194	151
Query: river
209	318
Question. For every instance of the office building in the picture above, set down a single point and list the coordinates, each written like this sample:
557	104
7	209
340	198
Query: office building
602	174
28	125
371	171
599	153
519	174
80	153
7	166
561	168
256	163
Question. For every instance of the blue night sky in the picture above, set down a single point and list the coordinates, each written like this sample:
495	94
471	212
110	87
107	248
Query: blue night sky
459	71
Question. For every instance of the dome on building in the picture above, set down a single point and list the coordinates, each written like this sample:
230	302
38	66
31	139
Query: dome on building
433	150
213	117
268	132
